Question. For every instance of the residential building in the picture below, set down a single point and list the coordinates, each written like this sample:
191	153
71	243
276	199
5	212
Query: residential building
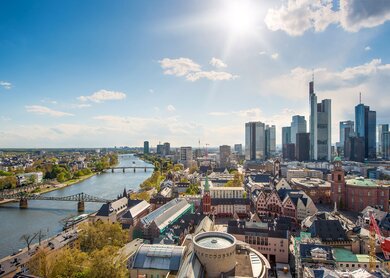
270	241
224	155
298	125
320	127
146	147
166	149
304	173
302	147
255	141
294	204
186	156
238	149
365	120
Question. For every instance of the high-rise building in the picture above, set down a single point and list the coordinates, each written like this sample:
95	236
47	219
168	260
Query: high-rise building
354	149
320	127
270	141
346	131
365	120
302	147
160	149
166	148
286	140
381	129
289	151
224	155
386	145
298	125
186	156
254	141
146	147
238	149
286	135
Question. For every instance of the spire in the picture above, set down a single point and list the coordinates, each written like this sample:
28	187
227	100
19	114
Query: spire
124	192
206	184
360	97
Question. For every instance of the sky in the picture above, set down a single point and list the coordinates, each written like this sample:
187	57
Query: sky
99	73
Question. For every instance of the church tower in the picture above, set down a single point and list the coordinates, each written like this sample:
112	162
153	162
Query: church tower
206	199
338	188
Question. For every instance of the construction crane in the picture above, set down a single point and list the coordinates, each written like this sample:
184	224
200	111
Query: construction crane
383	242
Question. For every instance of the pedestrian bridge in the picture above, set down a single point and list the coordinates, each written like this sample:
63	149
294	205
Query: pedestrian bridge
80	198
123	168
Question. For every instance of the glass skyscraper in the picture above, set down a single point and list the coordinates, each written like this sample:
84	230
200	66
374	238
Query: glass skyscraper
365	120
298	125
381	129
255	141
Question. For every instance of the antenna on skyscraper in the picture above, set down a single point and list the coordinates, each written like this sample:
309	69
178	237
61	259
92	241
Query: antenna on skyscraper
360	97
312	75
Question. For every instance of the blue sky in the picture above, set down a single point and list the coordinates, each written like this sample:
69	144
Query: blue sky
105	73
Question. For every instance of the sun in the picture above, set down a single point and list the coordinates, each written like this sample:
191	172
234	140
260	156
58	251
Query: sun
239	17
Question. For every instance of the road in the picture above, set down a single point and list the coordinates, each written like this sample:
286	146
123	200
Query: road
10	265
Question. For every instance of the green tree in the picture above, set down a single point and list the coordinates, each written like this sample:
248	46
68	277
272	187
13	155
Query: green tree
105	264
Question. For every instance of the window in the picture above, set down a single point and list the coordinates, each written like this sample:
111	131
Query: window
369	193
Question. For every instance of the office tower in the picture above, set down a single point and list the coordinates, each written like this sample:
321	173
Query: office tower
166	148
286	135
186	156
354	149
238	149
320	127
302	147
381	129
289	151
386	145
298	125
270	141
224	155
160	149
365	120
146	147
346	130
286	139
254	141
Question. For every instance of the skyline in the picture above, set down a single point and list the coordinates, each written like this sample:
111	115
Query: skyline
97	74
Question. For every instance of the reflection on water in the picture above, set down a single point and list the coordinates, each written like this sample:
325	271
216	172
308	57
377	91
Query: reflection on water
47	215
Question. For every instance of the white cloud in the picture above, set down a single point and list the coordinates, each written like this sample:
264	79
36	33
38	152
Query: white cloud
248	114
367	48
171	108
298	16
275	56
179	67
6	85
103	95
211	75
43	110
262	52
81	105
151	91
191	70
217	63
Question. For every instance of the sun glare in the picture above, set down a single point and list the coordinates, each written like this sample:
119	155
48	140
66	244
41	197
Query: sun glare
239	17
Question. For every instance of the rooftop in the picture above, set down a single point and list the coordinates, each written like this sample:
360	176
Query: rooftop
360	181
344	255
214	240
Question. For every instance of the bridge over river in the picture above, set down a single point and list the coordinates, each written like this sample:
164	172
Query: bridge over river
80	198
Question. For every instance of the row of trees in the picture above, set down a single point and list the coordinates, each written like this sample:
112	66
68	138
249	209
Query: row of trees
96	257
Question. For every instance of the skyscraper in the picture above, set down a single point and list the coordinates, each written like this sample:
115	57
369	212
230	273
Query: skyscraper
270	141
298	125
238	149
386	145
346	130
320	127
381	129
166	148
302	147
365	120
254	141
146	147
286	135
186	156
224	155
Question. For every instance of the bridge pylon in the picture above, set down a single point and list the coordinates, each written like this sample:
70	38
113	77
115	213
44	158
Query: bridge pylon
80	206
134	169
123	170
23	204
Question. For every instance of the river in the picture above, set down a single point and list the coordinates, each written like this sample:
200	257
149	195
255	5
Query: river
47	215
